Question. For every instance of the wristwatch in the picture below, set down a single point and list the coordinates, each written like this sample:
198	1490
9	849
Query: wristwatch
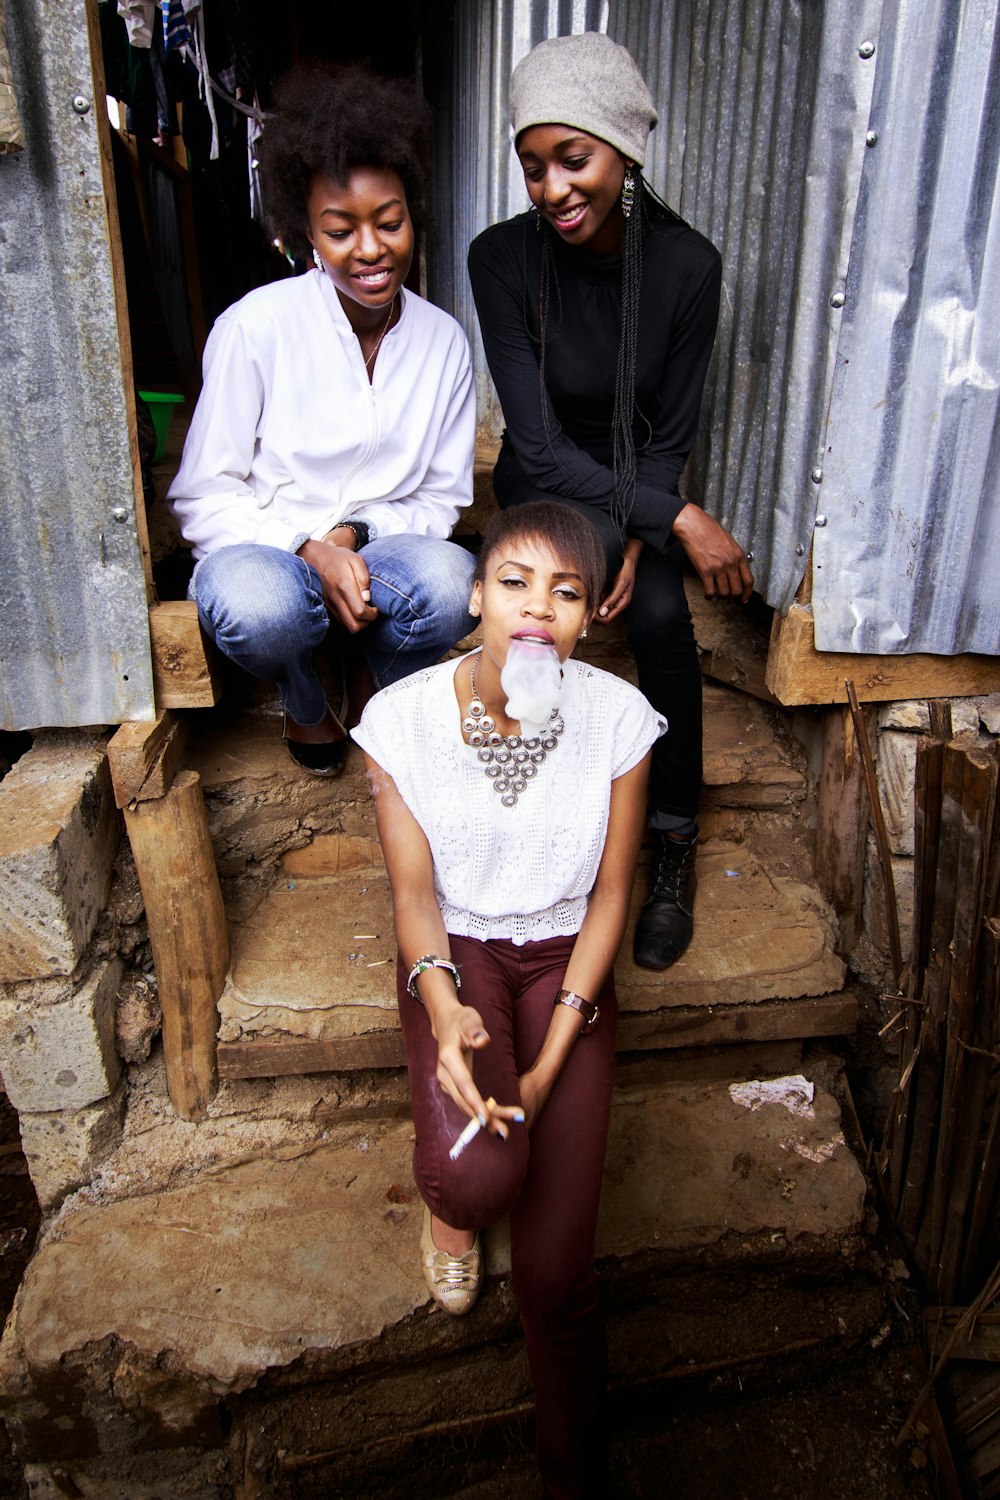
362	532
588	1010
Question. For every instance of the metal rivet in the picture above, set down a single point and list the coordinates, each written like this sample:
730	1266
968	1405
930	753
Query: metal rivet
799	550
871	139
821	520
749	555
816	475
866	50
838	299
120	514
81	103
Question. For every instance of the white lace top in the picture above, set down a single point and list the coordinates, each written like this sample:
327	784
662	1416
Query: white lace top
523	872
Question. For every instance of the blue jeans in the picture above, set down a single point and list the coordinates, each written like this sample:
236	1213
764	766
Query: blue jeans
264	609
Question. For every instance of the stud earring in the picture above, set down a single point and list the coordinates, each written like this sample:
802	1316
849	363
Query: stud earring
317	262
628	192
474	611
583	635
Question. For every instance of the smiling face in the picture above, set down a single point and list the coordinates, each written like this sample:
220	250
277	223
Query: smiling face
362	231
575	182
528	593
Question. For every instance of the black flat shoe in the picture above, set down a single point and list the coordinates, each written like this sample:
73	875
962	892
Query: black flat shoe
666	922
323	759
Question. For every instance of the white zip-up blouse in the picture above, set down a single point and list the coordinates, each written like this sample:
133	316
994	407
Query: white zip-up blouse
289	437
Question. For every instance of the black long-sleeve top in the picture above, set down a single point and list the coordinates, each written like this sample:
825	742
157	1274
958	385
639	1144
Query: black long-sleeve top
679	308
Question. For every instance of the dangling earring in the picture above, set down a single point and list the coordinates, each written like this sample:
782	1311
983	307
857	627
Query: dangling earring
317	262
538	221
628	191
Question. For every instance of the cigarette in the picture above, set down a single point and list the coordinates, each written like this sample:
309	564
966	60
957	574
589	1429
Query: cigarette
469	1133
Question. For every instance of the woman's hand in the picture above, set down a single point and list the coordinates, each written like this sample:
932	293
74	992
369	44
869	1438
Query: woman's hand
619	596
718	558
534	1096
346	580
458	1035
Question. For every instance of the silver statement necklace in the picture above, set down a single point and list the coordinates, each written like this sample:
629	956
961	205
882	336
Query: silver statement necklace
510	761
385	330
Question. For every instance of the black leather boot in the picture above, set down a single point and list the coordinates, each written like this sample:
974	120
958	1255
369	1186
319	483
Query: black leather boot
666	923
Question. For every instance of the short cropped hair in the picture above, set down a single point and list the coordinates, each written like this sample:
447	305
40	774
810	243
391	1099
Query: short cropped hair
568	534
329	120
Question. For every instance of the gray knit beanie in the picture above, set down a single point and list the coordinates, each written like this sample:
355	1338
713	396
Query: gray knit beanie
586	81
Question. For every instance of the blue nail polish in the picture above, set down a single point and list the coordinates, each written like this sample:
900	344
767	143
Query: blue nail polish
519	1116
482	1120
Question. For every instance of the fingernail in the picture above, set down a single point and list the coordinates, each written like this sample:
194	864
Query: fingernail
519	1116
501	1132
478	1036
482	1119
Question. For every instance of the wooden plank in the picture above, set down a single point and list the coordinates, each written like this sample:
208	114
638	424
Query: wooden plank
284	1056
686	1026
186	666
842	824
144	758
103	126
767	1021
881	838
983	1343
187	930
798	674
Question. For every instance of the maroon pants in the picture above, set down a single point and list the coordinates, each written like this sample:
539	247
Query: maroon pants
549	1182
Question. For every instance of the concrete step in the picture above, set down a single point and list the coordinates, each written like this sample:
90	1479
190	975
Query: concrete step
315	961
274	1304
261	804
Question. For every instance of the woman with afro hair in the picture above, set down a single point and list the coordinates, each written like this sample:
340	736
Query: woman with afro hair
330	452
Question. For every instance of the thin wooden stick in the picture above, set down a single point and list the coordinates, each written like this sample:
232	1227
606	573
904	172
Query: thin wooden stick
881	838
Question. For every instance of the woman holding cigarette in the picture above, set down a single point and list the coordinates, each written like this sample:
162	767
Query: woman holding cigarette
510	791
598	310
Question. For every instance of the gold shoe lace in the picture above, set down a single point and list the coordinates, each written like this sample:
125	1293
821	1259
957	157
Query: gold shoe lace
454	1274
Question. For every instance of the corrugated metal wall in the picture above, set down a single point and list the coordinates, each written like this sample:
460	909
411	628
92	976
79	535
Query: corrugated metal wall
74	634
911	477
853	394
476	177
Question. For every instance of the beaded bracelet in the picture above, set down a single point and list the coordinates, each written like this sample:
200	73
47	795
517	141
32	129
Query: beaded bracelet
430	961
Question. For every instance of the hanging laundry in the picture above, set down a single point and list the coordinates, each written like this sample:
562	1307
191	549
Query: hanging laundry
139	16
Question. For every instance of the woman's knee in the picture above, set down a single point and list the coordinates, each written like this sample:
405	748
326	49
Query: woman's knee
477	1194
658	614
260	599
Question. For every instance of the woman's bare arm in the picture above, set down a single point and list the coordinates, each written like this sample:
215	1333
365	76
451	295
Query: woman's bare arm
457	1028
600	936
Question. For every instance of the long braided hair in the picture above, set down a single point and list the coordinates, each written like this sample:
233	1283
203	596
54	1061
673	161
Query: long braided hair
648	205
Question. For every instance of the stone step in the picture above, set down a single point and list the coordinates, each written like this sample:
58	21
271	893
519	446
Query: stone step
286	1288
260	805
315	961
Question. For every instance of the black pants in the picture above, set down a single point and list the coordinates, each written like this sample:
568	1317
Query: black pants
661	635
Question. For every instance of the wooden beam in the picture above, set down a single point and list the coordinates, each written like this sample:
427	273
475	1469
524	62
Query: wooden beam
286	1056
103	126
186	667
981	1343
145	757
842	825
684	1026
187	930
799	674
710	1026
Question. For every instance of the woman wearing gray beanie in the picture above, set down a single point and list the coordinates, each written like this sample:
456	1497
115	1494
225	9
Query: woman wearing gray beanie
598	310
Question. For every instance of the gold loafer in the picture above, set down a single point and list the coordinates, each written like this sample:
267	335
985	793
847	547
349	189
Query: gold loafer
453	1281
